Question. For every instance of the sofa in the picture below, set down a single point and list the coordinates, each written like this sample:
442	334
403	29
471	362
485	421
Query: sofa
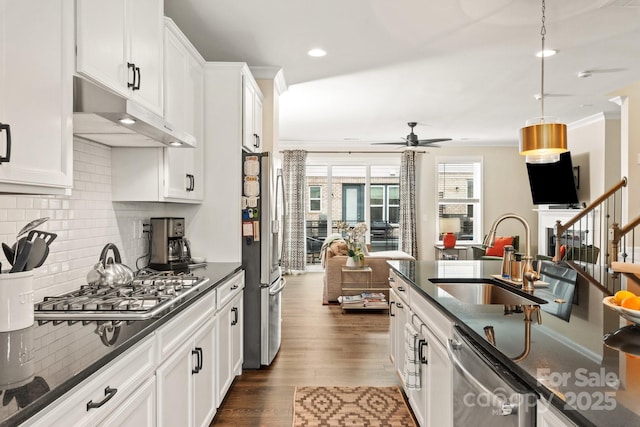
334	257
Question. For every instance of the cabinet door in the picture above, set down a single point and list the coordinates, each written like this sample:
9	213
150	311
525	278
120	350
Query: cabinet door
101	45
401	312
237	335
204	396
223	347
248	140
439	384
146	26
36	53
174	388
138	410
393	339
257	121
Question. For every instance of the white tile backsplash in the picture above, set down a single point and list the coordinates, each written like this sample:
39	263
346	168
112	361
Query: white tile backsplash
85	222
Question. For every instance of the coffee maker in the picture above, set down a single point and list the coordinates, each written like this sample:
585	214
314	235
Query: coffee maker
169	247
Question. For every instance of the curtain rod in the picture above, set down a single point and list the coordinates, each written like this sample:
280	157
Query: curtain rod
356	152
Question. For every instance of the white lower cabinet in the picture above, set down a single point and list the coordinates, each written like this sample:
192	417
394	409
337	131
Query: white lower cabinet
432	403
186	381
139	410
176	376
115	388
230	335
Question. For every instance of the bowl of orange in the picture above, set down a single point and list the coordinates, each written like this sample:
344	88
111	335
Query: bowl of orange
626	303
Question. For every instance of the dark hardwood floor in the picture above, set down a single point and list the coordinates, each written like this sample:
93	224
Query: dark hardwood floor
321	345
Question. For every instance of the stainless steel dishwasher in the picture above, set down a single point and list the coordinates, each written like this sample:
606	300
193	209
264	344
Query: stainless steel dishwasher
485	393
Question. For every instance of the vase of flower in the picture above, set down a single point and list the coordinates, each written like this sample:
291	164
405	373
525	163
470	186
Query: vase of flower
353	237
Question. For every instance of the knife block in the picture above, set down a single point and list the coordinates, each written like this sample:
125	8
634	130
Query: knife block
16	300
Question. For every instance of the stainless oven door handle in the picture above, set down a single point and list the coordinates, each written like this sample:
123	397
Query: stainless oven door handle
279	289
505	408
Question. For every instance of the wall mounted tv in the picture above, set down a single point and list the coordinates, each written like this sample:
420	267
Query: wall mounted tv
553	183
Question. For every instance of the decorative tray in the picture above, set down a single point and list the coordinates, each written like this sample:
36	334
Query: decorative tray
536	284
627	313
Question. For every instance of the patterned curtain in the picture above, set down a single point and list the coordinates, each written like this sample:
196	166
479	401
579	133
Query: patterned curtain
294	176
408	235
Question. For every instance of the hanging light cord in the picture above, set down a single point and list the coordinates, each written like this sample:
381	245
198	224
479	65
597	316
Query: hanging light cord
543	32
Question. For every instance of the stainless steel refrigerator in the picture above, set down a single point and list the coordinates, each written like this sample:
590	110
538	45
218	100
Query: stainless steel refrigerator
262	221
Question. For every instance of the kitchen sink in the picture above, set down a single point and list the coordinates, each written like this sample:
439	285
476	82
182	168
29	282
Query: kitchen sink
488	292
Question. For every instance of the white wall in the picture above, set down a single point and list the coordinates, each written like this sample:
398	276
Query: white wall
505	189
594	143
84	222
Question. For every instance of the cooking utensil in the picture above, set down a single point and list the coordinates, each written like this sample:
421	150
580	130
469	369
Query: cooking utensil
21	257
37	255
110	271
27	228
31	225
9	253
44	235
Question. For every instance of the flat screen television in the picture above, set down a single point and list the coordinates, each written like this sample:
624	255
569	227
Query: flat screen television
553	183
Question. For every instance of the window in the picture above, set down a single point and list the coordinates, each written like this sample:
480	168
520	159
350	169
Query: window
315	198
385	203
459	189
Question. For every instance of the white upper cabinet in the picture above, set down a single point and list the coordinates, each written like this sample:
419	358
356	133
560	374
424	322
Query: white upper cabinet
119	45
36	86
169	174
252	115
183	107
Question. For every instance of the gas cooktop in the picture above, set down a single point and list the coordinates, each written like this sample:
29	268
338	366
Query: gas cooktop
148	295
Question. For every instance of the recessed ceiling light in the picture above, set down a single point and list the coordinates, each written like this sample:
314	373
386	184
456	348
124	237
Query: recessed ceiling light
127	121
317	52
546	53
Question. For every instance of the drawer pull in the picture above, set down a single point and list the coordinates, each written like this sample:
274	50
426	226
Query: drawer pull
234	310
108	394
234	287
422	354
401	288
198	353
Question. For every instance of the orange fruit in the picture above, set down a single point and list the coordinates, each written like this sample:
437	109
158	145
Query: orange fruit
632	303
621	296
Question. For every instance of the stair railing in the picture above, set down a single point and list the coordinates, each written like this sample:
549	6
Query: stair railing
584	254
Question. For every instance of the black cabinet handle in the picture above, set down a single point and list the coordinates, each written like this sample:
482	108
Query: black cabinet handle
137	86
256	138
391	305
200	358
198	355
193	182
422	354
132	67
108	394
7	157
234	310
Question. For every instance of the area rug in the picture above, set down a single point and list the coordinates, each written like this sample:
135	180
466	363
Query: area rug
351	406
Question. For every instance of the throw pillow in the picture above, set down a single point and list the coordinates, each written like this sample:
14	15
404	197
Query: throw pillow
498	246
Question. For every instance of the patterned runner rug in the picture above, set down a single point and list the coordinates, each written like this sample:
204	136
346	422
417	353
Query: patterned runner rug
351	406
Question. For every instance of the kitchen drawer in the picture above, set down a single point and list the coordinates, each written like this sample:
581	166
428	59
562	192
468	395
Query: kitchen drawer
400	287
123	376
174	333
438	323
230	289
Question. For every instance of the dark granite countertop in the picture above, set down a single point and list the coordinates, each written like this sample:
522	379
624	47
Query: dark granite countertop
65	354
568	362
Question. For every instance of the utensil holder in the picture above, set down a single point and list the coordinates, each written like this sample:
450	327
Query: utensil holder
16	358
16	301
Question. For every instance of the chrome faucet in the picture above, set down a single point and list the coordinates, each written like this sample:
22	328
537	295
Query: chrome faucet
529	275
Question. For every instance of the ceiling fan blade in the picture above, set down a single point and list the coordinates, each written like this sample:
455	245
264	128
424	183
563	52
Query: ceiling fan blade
432	140
390	143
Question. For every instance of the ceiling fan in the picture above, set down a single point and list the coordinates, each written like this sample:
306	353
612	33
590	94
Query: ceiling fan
412	139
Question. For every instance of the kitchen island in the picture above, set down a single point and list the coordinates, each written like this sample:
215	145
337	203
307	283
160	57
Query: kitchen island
65	355
567	365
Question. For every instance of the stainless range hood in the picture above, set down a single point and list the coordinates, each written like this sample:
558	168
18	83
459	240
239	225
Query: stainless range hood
98	115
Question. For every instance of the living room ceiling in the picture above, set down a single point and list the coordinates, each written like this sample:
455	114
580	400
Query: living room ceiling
462	69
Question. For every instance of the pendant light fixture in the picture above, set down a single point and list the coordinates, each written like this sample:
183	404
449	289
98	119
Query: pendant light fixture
543	139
